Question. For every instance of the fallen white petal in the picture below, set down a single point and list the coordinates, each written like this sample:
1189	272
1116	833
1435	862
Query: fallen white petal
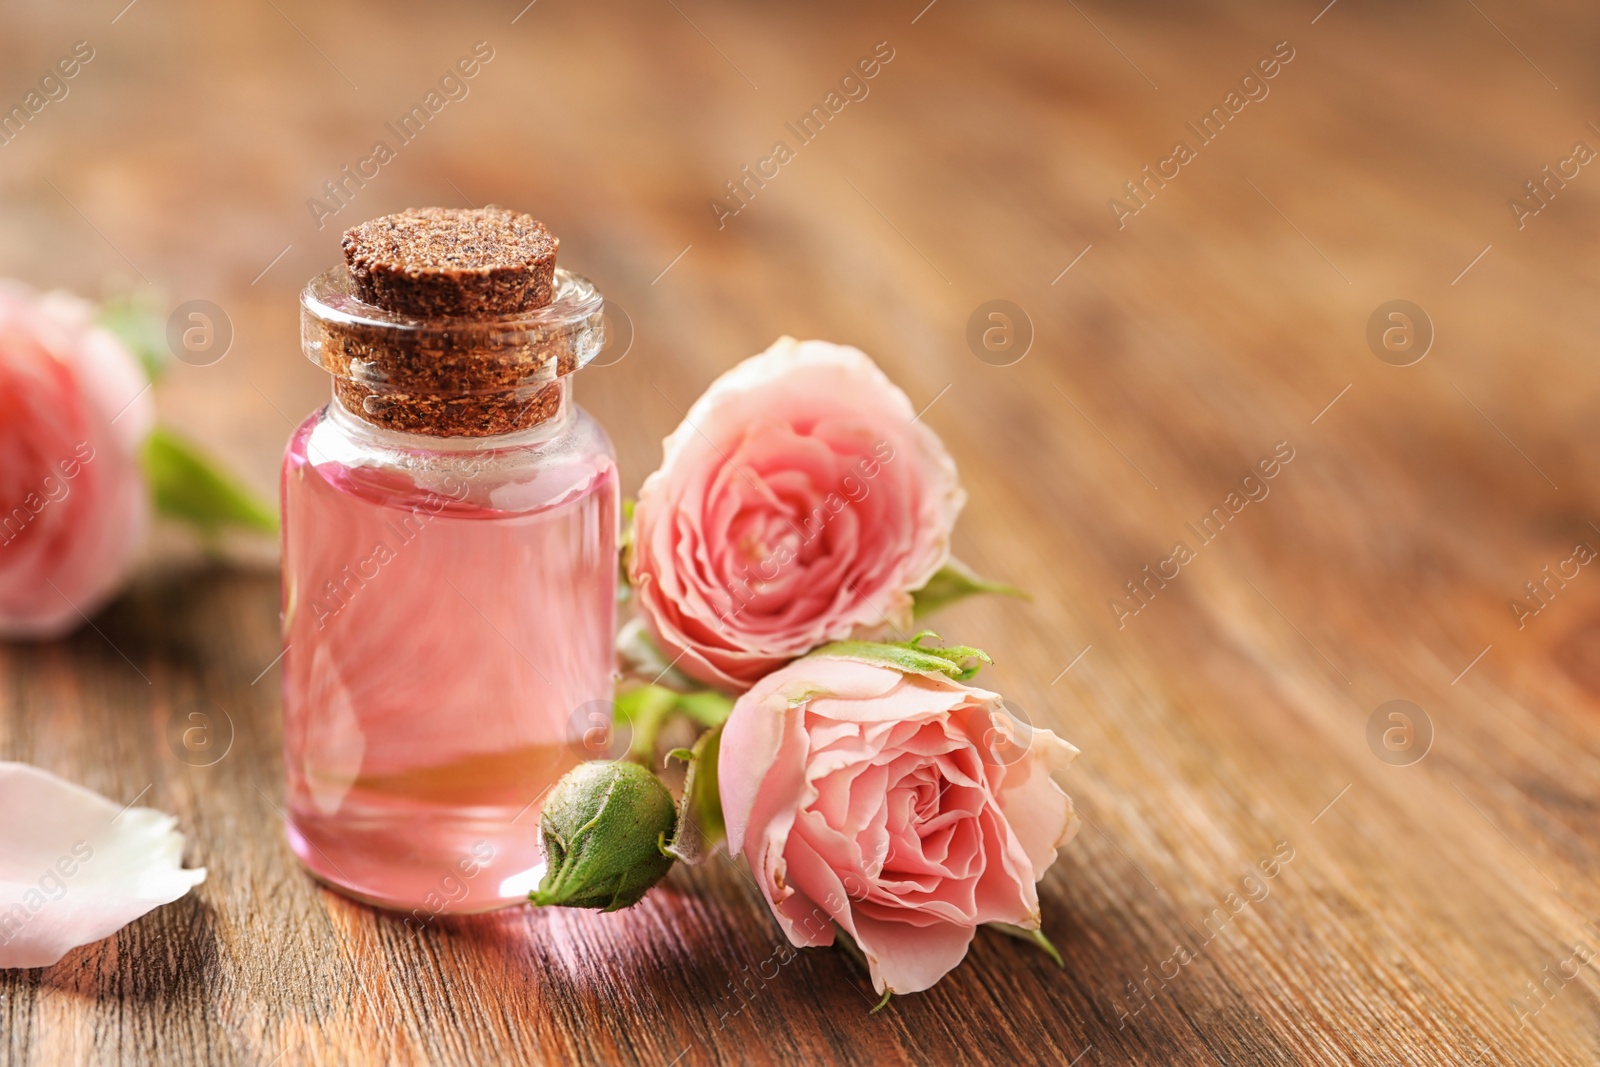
76	867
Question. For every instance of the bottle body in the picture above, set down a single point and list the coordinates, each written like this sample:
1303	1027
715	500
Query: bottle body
448	614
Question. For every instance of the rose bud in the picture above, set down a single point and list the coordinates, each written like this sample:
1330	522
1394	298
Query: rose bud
602	830
800	502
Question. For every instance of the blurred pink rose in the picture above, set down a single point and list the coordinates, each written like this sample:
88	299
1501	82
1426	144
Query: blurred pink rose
906	808
797	504
74	408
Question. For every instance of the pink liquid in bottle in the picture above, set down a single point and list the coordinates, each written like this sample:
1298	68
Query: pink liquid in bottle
449	618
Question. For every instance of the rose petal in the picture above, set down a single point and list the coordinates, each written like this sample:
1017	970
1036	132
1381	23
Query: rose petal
760	739
1039	813
907	958
76	867
910	696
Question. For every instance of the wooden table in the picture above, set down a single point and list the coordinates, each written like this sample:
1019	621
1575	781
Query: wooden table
1173	348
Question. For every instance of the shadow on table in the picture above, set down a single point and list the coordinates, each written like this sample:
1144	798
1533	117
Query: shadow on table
168	957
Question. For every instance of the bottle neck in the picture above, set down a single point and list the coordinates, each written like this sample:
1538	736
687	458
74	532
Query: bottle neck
449	378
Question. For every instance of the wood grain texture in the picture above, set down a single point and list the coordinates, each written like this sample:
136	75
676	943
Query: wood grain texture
1228	716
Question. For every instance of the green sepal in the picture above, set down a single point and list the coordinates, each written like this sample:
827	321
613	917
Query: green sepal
1035	937
843	941
137	324
189	486
959	662
956	581
700	827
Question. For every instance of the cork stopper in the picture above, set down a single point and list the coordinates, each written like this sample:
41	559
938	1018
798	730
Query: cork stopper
436	262
451	323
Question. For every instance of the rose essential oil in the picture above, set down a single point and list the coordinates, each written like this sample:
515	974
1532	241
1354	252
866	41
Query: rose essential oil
449	564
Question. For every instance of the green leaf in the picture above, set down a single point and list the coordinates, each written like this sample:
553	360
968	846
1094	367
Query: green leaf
644	710
1034	937
956	581
959	662
189	486
625	549
137	324
707	707
700	827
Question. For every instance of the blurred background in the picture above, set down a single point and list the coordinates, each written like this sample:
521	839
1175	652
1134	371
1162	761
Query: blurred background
1168	319
188	153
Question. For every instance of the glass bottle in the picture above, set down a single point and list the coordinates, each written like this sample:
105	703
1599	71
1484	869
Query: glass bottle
449	587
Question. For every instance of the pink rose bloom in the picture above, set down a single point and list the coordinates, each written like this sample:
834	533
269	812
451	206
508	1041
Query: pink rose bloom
74	409
797	504
906	808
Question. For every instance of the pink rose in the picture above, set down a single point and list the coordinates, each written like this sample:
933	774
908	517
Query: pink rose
74	408
907	808
798	503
